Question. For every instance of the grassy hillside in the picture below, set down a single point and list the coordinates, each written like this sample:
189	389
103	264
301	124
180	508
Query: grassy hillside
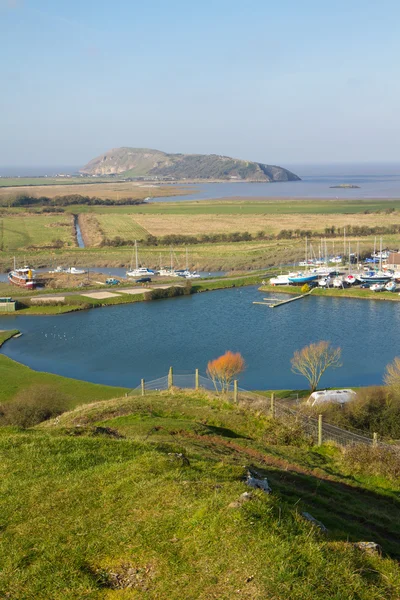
16	378
141	498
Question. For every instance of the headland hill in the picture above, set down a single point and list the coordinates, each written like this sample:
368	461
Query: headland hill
148	163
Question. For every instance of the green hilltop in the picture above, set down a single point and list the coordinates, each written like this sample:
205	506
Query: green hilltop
146	497
144	162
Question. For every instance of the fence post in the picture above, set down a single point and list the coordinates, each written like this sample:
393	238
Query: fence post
375	439
170	378
142	384
235	390
273	405
196	379
319	430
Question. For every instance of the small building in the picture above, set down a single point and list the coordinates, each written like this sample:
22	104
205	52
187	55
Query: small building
7	305
336	396
393	260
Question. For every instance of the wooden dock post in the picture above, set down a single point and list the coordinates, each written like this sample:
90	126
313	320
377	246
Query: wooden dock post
235	390
319	430
143	386
196	379
375	439
170	378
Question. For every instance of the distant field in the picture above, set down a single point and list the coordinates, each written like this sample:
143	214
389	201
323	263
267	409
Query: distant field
125	226
113	191
26	230
137	224
251	206
41	181
164	224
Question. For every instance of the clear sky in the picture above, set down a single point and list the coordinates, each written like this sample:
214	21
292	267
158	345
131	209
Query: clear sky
274	81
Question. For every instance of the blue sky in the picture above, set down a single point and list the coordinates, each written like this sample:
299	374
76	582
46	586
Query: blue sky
293	81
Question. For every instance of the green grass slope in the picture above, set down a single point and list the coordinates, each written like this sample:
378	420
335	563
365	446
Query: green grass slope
15	378
138	498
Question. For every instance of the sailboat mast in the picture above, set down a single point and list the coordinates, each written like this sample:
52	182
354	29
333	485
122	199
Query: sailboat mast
136	255
349	259
380	256
187	260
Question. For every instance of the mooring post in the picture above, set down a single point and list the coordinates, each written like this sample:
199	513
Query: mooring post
273	405
319	430
143	386
170	378
235	390
196	379
375	439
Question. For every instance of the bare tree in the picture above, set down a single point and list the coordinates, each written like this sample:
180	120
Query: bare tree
313	360
392	376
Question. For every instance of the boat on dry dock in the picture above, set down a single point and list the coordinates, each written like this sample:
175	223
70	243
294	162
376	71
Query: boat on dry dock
24	277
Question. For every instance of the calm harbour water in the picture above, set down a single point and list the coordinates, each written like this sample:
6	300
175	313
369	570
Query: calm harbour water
120	345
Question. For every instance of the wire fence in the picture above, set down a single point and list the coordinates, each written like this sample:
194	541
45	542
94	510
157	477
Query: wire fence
319	430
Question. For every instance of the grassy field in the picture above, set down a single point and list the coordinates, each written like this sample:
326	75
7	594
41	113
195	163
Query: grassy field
113	190
163	224
15	378
22	230
251	206
140	498
26	230
123	225
205	257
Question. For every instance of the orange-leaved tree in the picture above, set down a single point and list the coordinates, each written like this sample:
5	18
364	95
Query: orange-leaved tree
313	360
223	369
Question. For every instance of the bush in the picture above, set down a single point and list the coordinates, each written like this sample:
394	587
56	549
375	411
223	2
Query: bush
373	409
305	288
373	460
33	405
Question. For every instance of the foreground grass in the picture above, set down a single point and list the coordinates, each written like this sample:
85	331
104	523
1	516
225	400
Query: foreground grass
89	515
15	378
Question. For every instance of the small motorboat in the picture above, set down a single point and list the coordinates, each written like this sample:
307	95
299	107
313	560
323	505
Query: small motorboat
337	282
374	277
324	282
391	286
350	279
302	278
58	270
75	271
139	272
377	287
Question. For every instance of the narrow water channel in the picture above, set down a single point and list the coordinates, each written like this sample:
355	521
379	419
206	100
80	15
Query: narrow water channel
78	232
119	345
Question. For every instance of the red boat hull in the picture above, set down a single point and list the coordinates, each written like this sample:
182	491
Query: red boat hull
28	284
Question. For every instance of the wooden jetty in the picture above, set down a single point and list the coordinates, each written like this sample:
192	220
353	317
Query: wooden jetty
281	302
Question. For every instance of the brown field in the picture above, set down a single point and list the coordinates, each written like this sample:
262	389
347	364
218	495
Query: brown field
162	224
113	191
